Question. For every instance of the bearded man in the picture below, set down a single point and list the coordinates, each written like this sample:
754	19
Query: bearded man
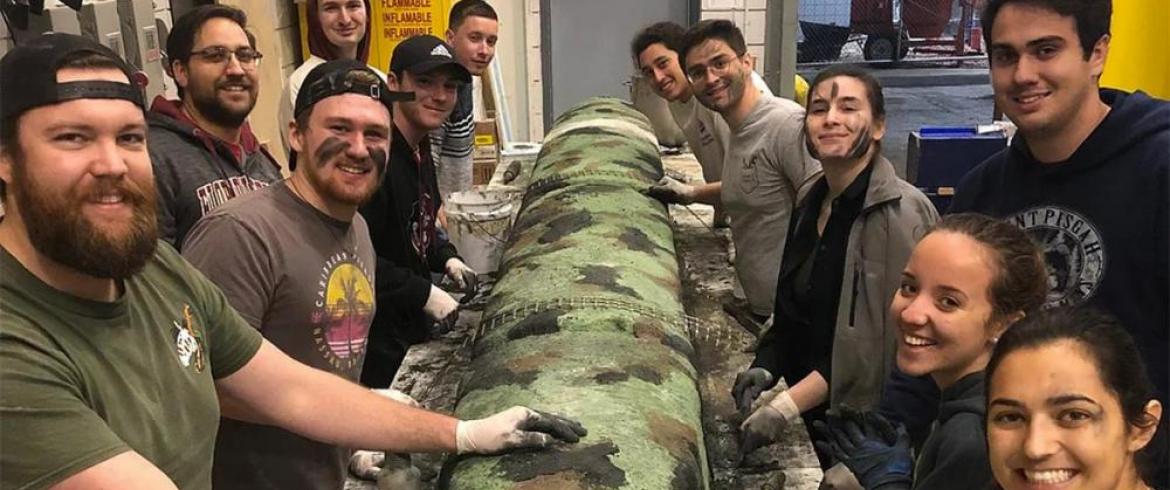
203	151
301	266
119	356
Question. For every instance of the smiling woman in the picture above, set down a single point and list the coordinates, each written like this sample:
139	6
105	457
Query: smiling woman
1070	405
338	29
966	283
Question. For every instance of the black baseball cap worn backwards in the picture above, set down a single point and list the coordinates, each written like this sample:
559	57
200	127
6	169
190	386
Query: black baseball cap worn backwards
28	75
338	77
423	54
342	76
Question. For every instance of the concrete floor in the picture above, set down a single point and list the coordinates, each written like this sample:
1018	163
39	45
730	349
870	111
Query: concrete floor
723	352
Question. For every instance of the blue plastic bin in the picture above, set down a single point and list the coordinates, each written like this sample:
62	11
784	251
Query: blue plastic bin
937	158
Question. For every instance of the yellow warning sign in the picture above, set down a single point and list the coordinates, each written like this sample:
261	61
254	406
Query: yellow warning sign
395	20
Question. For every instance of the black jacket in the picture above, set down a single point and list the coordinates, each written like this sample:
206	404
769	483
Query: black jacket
954	456
403	279
1102	218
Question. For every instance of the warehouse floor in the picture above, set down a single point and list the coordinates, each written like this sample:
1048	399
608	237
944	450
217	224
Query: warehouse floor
432	370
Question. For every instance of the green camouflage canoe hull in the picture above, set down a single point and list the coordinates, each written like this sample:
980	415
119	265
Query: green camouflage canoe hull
586	320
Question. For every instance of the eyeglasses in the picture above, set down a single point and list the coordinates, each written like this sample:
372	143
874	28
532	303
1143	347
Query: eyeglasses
718	66
248	57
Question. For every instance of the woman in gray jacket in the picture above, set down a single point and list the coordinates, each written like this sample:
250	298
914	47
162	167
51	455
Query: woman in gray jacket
848	239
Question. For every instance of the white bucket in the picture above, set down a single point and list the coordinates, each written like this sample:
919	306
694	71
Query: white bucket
477	224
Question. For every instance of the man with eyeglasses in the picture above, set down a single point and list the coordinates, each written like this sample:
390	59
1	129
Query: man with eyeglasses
203	151
765	167
403	213
655	50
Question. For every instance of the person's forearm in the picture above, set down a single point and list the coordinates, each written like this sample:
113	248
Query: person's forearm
370	421
809	392
318	405
708	193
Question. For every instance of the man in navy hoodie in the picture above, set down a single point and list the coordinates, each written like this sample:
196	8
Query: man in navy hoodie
1088	172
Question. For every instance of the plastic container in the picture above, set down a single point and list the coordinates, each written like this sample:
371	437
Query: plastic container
478	221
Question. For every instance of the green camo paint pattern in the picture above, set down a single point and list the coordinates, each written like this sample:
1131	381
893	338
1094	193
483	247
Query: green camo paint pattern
614	354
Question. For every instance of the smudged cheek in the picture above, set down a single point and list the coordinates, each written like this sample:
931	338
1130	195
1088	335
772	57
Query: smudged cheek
381	160
329	149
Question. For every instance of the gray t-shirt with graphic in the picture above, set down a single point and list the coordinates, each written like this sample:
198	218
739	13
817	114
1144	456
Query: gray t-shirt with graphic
306	281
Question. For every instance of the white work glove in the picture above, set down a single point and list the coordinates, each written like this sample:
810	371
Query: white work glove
368	464
767	325
515	428
765	424
441	308
391	471
399	473
671	191
463	276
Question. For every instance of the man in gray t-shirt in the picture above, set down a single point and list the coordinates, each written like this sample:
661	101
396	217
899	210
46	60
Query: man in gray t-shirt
301	270
765	168
305	280
656	57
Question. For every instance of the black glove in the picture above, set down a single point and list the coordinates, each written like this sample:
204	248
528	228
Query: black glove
873	448
748	386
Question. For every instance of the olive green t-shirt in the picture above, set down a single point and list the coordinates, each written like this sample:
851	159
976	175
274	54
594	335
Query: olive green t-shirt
82	381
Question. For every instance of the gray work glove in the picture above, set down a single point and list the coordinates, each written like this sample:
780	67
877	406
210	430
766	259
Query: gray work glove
515	428
671	191
873	448
366	464
766	423
441	308
748	386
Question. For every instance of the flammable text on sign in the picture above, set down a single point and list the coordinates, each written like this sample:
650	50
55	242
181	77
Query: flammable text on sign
406	3
408	17
396	33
